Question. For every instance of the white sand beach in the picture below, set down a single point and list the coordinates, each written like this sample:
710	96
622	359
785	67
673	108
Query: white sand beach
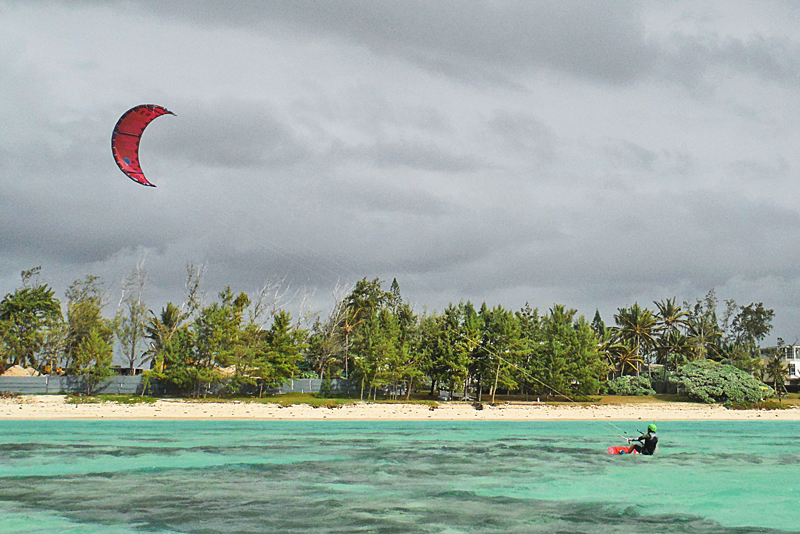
55	407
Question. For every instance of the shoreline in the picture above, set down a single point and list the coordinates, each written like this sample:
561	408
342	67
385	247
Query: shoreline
53	407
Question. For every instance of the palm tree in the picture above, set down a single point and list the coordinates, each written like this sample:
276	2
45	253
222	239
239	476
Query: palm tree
350	324
704	334
778	371
636	327
676	349
670	319
159	329
620	356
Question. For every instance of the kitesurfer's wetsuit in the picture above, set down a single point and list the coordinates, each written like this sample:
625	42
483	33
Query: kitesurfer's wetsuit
647	443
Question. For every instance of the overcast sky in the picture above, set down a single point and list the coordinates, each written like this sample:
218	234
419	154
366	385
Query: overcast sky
590	153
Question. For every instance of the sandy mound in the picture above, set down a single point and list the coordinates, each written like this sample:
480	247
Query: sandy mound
18	370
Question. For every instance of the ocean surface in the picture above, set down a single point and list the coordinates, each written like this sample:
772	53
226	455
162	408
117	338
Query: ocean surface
115	477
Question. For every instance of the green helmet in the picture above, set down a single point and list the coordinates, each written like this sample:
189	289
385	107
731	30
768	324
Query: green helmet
651	427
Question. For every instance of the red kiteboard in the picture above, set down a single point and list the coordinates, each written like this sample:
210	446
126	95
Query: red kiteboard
620	450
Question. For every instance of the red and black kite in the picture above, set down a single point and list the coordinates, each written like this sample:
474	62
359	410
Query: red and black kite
126	137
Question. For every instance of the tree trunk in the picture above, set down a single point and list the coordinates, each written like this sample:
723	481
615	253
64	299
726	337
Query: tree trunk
496	377
133	355
346	344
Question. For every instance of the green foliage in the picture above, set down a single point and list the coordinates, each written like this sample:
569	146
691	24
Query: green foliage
289	399
325	388
752	323
672	346
216	329
327	344
274	354
778	371
743	357
216	332
710	382
762	405
85	320
448	343
26	318
159	329
385	339
598	325
166	358
503	344
308	375
92	359
636	327
128	399
189	357
174	363
703	329
629	385
80	398
373	337
285	344
368	297
567	359
77	398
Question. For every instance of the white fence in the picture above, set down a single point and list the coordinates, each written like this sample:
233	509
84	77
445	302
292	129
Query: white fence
131	385
30	385
314	385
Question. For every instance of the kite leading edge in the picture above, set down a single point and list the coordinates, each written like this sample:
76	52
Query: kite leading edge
127	135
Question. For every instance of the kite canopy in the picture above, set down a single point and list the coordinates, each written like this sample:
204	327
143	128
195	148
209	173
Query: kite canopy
127	135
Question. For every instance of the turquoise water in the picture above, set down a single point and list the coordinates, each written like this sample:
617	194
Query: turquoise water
389	477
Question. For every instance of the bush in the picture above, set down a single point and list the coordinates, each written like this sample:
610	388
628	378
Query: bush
630	385
711	382
763	405
325	387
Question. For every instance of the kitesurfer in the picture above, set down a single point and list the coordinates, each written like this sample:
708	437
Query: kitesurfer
646	442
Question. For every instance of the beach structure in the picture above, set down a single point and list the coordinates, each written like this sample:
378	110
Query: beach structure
790	355
22	382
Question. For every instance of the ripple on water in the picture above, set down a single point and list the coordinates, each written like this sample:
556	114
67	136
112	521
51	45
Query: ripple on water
720	477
